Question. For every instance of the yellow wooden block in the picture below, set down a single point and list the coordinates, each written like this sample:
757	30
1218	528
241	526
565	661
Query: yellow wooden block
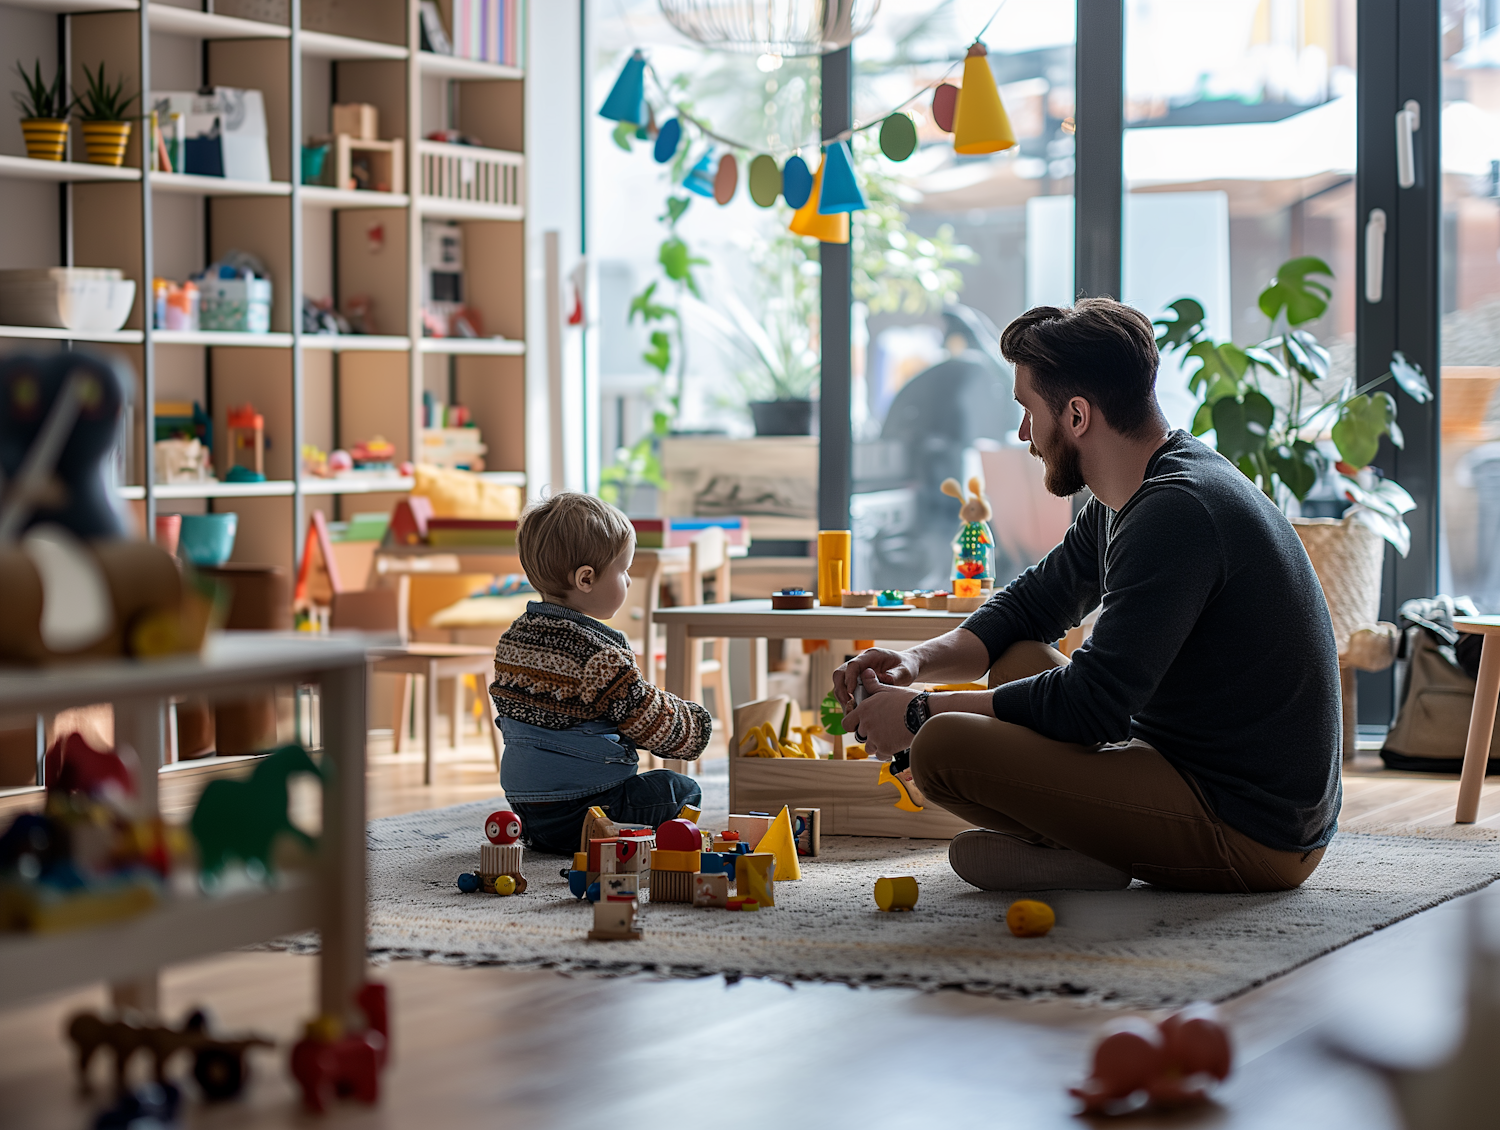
688	861
754	877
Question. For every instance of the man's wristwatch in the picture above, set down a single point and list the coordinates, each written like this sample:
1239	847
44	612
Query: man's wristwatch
918	711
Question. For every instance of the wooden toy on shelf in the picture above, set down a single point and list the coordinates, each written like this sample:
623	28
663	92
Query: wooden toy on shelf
974	547
788	599
1176	1063
243	820
897	892
857	598
1028	918
247	440
218	1064
329	1062
76	587
360	159
891	600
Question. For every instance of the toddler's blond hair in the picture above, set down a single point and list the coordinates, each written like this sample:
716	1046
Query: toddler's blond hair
561	534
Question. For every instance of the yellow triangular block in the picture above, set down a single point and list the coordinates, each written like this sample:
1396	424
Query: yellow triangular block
780	842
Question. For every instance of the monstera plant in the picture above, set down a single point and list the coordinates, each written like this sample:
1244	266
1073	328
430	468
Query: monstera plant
1269	404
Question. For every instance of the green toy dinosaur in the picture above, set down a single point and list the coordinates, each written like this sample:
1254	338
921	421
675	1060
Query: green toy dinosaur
241	819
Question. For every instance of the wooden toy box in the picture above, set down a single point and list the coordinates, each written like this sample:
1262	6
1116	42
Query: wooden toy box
852	801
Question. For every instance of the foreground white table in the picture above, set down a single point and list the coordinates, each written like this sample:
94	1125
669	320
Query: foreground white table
331	900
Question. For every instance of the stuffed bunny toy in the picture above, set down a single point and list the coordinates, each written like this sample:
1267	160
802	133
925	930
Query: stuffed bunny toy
973	549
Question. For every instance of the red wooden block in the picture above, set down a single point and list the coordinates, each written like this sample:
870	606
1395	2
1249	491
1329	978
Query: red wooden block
679	835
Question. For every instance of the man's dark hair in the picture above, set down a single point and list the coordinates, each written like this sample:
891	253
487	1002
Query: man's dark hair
1099	349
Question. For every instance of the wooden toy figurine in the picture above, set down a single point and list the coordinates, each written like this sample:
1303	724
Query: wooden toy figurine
242	819
1175	1063
974	547
218	1064
328	1062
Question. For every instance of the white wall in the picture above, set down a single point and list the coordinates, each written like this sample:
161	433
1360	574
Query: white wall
554	201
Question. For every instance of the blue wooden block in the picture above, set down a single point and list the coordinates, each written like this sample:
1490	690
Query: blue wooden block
578	883
717	863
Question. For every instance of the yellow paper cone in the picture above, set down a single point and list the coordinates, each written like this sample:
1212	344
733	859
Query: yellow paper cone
980	124
826	229
779	842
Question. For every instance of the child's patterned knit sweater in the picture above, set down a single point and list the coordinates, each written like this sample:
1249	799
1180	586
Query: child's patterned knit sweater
556	668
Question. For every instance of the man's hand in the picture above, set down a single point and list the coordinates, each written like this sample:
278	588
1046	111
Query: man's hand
892	668
881	717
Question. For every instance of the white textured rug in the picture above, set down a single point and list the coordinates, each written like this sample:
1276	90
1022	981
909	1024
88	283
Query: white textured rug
1137	947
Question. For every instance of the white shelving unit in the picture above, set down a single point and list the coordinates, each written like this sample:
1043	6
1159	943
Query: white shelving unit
331	899
315	390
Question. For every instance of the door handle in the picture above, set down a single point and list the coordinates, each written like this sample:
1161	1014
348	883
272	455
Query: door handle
1375	256
1408	121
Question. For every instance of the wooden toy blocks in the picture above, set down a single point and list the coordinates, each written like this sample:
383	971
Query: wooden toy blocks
750	826
616	887
688	861
807	824
754	877
614	920
673	886
710	889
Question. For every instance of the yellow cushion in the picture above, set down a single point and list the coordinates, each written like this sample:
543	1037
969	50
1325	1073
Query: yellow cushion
463	494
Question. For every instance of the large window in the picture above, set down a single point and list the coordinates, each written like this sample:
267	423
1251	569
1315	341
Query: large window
1469	296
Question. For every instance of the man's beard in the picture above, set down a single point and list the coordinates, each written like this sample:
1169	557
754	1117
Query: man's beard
1063	467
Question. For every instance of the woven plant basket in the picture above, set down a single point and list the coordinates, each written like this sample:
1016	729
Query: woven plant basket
46	138
1348	559
105	142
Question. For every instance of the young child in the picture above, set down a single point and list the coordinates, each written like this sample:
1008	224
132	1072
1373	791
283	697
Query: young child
572	705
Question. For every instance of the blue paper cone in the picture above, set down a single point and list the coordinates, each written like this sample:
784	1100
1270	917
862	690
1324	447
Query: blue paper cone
700	178
840	190
627	99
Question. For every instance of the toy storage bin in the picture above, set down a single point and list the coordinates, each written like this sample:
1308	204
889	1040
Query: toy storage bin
235	305
83	299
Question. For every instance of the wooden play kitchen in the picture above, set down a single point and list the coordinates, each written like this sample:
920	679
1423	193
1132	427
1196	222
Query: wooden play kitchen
127	954
853	800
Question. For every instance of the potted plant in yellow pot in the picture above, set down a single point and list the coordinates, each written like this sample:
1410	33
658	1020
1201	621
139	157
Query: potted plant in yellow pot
44	114
101	108
1269	405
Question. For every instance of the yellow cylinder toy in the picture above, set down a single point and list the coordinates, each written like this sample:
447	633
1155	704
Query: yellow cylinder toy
898	892
835	561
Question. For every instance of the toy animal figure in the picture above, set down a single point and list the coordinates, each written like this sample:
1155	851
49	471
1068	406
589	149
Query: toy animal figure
1176	1063
76	587
327	1062
242	819
974	548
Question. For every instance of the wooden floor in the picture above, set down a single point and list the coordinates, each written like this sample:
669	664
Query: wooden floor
495	1048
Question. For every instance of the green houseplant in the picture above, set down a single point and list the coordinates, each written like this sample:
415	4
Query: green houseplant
44	113
102	108
1275	408
1269	404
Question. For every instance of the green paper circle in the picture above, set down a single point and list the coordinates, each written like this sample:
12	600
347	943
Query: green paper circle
765	180
898	137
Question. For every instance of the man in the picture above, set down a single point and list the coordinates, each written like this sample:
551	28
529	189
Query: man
1193	741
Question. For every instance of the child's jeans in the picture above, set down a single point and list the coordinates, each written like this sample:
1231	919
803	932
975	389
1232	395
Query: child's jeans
650	798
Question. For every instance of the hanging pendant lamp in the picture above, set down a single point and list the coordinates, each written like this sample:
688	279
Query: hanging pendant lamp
771	27
980	124
627	98
806	221
840	191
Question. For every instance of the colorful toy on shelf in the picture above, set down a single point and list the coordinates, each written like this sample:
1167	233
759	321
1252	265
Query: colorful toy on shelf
1028	918
247	443
219	1065
891	600
247	821
792	599
76	587
329	1062
374	454
974	547
1176	1063
88	857
897	892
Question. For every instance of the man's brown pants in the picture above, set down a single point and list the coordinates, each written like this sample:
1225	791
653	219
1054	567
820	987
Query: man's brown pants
1123	804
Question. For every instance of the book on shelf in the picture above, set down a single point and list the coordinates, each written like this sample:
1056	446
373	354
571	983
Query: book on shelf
488	31
434	34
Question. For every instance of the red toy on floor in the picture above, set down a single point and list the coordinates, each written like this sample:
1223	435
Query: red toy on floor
327	1063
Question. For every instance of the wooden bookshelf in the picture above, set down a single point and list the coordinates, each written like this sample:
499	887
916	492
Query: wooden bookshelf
318	241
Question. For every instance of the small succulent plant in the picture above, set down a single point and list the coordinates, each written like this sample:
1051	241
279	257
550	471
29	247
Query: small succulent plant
41	99
101	100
